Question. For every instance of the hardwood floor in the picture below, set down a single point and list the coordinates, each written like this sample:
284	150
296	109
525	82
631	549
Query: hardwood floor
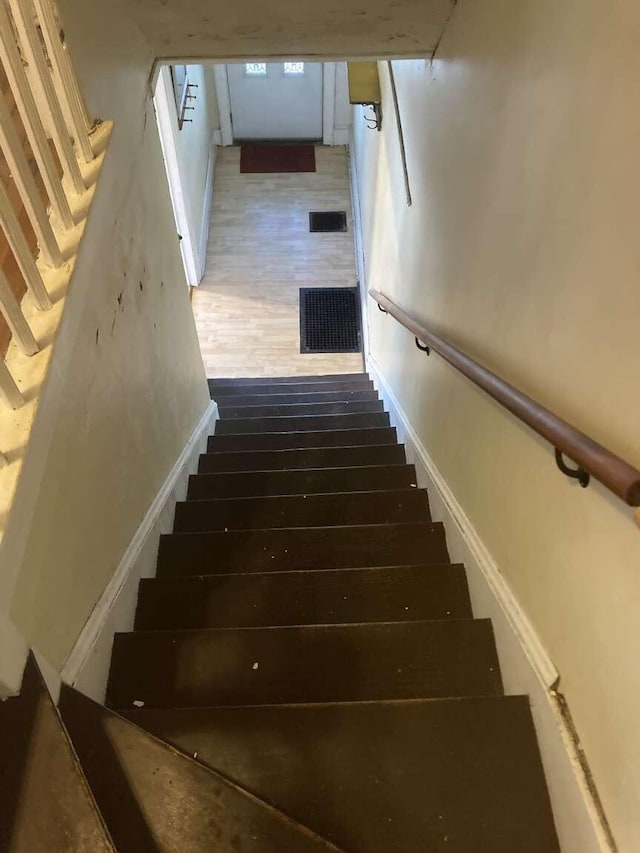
260	253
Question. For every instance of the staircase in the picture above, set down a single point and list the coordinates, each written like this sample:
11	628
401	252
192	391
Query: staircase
305	673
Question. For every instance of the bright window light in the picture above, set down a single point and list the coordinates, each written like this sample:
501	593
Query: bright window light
255	69
293	69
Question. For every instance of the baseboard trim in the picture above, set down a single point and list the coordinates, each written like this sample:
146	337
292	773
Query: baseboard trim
358	242
525	664
206	209
146	537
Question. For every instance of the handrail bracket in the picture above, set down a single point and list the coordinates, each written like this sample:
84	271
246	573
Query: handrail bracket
579	474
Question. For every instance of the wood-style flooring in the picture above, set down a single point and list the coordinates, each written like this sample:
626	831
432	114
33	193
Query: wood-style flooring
260	253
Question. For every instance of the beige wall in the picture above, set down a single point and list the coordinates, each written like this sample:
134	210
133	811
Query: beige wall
126	385
521	246
252	29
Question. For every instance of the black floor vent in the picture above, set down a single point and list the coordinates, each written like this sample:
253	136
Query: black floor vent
329	319
330	220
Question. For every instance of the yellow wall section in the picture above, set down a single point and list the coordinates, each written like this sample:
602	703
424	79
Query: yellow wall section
522	247
135	388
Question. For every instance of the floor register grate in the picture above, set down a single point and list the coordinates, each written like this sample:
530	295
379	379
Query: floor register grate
329	320
327	221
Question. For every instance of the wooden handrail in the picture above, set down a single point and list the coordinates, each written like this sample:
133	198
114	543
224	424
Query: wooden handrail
592	458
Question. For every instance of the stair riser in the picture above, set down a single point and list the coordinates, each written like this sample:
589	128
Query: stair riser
300	409
301	440
301	548
308	664
298	460
277	399
318	481
230	392
408	505
310	423
241	381
304	598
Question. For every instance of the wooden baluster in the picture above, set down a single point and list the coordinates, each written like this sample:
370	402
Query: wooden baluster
64	74
12	313
8	388
22	251
30	43
25	182
31	119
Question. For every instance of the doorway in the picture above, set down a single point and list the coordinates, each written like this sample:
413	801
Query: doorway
275	101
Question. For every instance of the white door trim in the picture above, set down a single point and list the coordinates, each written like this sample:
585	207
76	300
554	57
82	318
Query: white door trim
164	103
221	79
328	102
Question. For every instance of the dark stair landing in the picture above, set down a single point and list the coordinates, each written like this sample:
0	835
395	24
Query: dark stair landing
305	672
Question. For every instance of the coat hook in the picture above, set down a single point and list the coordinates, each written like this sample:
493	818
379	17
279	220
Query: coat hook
374	122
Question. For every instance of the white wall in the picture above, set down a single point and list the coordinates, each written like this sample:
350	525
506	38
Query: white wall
189	154
521	247
342	114
126	384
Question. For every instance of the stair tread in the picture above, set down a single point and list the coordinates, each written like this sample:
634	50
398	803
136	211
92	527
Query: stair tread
329	596
45	802
268	410
300	423
156	799
226	392
385	660
342	508
301	458
338	547
446	775
301	440
234	381
277	398
304	481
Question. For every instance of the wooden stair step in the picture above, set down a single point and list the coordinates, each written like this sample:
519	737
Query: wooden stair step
301	423
363	546
157	800
45	803
299	440
223	392
287	410
444	776
388	507
312	663
278	399
324	596
299	459
262	381
238	484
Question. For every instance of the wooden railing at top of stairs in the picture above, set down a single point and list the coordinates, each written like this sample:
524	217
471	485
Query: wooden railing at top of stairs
44	140
591	458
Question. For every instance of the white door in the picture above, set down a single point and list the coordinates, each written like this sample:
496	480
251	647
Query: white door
276	100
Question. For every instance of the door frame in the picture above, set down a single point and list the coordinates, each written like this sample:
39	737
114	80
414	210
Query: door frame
164	103
329	135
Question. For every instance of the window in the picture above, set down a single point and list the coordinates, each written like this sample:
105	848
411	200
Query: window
255	69
293	69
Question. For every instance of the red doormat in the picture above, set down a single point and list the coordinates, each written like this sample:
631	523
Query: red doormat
277	158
